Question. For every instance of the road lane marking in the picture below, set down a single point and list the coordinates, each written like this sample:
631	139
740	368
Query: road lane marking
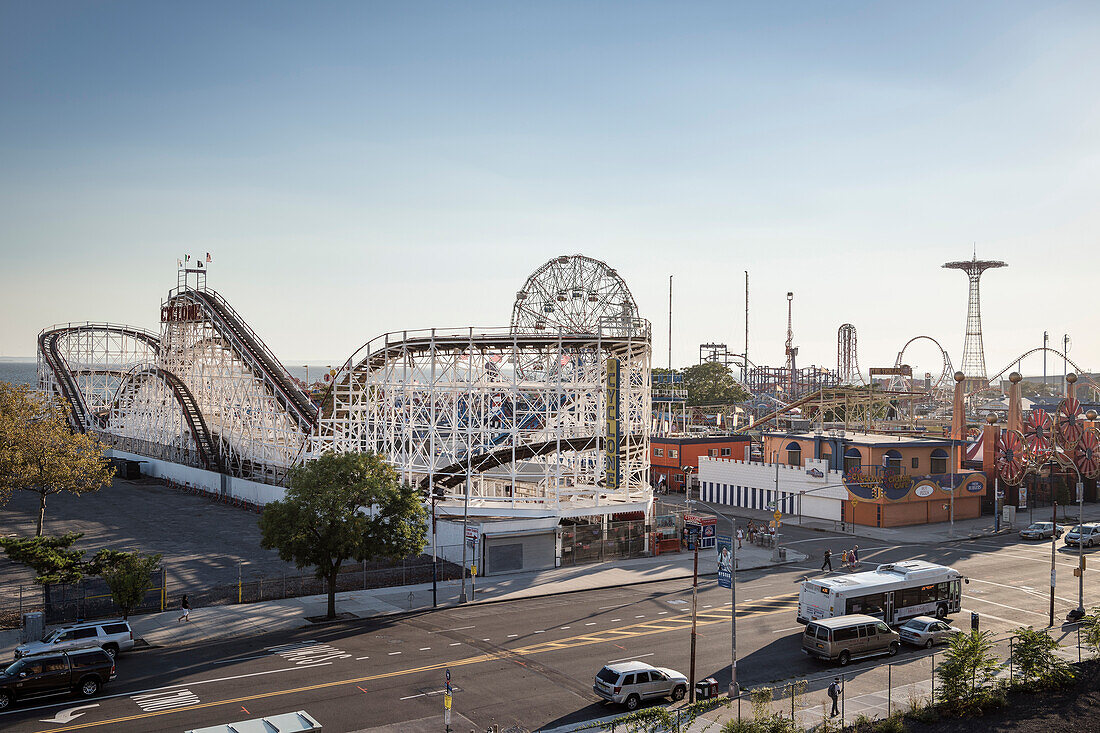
590	623
425	648
1023	588
167	687
360	659
563	628
457	643
627	659
604	608
460	628
615	619
661	613
1011	608
512	636
393	654
989	615
540	648
643	615
789	628
156	701
540	632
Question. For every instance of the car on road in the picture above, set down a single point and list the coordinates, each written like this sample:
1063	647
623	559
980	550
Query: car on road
1041	531
926	631
1086	534
85	671
844	638
112	636
629	683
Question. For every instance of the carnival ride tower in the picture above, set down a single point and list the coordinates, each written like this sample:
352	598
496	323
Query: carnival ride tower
973	361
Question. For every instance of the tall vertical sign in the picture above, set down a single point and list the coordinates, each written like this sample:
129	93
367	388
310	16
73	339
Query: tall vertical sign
612	478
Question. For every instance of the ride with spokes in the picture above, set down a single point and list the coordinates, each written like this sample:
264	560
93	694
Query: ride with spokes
892	592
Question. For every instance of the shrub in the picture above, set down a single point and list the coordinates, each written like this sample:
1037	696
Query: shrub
968	670
1033	655
894	724
761	699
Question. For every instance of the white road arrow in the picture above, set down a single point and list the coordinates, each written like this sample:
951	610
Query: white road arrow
66	716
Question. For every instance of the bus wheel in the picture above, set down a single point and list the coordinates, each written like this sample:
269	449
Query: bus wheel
941	612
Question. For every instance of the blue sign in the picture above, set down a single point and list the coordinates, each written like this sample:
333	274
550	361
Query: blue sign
725	561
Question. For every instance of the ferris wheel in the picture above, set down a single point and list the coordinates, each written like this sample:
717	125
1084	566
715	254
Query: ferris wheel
573	294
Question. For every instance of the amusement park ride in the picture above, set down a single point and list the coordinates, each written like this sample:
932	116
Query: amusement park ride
519	417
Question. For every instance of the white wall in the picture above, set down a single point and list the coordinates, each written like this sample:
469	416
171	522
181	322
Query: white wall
721	478
212	481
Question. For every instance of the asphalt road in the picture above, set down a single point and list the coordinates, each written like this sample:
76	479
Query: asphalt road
531	662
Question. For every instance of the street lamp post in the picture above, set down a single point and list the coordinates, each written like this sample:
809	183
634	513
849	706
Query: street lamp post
733	595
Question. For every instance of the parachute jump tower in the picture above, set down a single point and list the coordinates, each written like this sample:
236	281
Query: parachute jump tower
973	361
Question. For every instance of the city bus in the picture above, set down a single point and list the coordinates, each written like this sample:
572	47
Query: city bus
892	592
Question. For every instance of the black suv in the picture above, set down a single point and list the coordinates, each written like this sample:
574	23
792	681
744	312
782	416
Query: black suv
82	670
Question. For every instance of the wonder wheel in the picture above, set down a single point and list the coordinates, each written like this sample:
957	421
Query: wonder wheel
1039	434
1087	455
1011	457
1070	428
573	294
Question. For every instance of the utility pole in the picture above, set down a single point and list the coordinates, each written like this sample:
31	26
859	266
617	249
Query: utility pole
1046	339
1053	539
745	361
670	324
435	554
1065	360
694	607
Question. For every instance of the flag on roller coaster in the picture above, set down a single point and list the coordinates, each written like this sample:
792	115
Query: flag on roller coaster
179	263
187	258
209	258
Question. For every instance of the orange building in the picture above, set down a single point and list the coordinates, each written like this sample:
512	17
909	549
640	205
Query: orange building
669	457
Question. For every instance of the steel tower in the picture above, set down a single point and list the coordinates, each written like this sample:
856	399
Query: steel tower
973	361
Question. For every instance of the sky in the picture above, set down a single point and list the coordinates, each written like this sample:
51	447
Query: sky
364	167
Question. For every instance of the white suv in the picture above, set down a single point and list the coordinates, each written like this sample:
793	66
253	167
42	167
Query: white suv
628	683
112	636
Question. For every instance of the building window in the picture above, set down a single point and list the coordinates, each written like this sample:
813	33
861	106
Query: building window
725	452
939	461
679	478
794	454
891	460
673	453
659	452
916	462
852	460
713	452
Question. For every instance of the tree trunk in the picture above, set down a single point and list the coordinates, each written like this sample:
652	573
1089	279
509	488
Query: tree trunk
41	513
333	573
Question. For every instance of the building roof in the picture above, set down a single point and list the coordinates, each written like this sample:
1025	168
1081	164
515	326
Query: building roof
869	439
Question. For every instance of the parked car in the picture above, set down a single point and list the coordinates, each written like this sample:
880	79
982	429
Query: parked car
1087	534
86	671
844	638
1041	531
628	683
925	631
112	636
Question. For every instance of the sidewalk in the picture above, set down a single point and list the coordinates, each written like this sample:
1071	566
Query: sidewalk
222	622
918	534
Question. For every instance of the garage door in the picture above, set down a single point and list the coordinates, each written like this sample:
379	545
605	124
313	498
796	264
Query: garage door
508	553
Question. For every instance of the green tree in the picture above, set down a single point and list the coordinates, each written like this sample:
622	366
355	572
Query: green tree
53	559
344	506
712	383
1090	630
968	670
1033	654
39	453
129	575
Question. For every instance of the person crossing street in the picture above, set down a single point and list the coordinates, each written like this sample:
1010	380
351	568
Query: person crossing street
828	560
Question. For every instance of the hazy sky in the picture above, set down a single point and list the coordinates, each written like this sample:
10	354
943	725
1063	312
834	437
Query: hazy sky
357	168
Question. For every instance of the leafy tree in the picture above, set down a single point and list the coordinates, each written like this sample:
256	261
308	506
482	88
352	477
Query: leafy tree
969	668
1033	654
1090	630
39	453
53	559
344	506
712	383
129	575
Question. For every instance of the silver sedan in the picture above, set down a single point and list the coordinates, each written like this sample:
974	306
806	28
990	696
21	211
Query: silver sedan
1041	531
925	631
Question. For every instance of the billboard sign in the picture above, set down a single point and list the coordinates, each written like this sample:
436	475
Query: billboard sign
725	561
612	477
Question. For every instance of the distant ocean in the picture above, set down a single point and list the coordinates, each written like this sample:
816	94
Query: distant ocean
18	371
25	371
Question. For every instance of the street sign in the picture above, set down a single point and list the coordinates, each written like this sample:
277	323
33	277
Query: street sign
446	701
778	515
447	674
473	570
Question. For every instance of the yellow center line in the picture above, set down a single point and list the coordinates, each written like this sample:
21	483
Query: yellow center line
577	641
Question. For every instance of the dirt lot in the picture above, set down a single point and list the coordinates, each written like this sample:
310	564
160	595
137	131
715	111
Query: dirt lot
1074	710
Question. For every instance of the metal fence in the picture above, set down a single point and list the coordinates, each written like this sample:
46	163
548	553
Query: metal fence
89	599
585	543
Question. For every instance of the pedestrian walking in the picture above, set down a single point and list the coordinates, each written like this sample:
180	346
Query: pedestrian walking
855	556
828	560
740	536
185	607
843	558
834	694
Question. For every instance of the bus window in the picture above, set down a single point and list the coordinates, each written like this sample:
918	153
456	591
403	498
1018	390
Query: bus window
870	605
943	591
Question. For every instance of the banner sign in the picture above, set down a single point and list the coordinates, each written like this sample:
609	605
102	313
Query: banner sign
612	479
725	561
703	527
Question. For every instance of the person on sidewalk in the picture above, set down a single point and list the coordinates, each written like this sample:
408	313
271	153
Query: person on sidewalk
828	560
834	694
185	607
740	536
